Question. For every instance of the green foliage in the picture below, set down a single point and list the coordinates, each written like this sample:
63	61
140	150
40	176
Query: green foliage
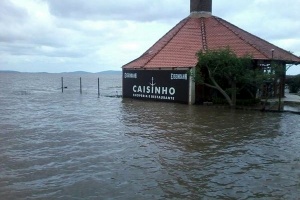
224	63
219	101
239	102
223	70
294	84
247	102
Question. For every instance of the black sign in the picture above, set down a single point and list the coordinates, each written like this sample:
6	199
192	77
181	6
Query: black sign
160	85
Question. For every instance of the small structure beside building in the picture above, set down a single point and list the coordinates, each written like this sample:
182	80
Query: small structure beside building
162	72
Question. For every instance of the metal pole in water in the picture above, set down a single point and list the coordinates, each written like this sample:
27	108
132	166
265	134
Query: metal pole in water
62	84
80	86
98	87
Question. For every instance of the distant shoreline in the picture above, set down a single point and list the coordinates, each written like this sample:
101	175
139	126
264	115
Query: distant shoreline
75	72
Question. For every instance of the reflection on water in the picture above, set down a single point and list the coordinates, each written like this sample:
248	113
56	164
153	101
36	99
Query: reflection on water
72	146
221	153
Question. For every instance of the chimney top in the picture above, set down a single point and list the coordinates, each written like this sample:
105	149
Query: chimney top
201	8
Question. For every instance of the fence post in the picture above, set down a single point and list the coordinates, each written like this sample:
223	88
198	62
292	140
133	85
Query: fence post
80	86
98	87
62	84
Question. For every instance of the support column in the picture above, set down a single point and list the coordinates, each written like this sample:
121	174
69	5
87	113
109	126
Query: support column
192	88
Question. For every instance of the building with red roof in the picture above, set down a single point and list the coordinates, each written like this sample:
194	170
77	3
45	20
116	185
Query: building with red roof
175	53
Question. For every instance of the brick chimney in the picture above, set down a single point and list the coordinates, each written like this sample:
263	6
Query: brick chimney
201	8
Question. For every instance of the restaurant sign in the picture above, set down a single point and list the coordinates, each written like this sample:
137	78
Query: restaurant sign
160	85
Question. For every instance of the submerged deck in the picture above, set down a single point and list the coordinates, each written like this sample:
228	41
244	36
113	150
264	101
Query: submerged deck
291	102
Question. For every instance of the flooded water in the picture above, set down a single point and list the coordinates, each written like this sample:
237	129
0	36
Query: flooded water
56	145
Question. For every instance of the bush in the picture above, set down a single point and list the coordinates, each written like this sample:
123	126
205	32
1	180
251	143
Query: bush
247	102
219	101
294	84
239	102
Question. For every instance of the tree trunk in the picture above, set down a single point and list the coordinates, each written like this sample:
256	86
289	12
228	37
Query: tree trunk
216	86
233	93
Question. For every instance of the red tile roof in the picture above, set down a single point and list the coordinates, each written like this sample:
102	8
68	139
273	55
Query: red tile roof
178	48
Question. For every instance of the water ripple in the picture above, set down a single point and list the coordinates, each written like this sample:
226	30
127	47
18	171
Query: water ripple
72	146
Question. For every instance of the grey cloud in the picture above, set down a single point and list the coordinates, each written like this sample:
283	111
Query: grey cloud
12	18
81	33
30	34
270	19
25	49
136	10
10	13
17	26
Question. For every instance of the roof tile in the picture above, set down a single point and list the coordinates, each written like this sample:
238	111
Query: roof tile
179	46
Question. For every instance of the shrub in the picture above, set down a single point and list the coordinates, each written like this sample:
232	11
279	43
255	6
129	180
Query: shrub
239	102
294	84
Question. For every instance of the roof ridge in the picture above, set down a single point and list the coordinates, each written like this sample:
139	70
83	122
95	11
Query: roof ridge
203	34
241	37
184	22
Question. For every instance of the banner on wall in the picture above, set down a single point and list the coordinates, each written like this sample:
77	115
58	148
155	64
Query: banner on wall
159	85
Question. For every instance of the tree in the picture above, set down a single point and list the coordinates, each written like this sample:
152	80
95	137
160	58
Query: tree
294	84
223	70
278	71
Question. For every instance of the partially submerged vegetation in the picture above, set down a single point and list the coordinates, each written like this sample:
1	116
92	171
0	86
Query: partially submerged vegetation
294	84
229	74
241	81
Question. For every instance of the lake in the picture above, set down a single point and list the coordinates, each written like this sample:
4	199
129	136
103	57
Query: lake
68	145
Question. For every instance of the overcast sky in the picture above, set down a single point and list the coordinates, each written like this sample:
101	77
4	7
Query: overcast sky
98	35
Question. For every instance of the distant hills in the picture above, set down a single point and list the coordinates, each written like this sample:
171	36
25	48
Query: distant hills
75	72
103	72
8	71
110	72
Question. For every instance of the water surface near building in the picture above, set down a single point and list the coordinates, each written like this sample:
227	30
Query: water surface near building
69	146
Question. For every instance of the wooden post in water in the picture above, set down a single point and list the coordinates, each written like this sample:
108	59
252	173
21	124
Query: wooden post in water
62	84
80	86
98	87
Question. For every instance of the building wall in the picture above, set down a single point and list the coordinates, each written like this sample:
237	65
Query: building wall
159	85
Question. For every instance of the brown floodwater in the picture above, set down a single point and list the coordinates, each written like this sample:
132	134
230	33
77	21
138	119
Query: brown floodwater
57	145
